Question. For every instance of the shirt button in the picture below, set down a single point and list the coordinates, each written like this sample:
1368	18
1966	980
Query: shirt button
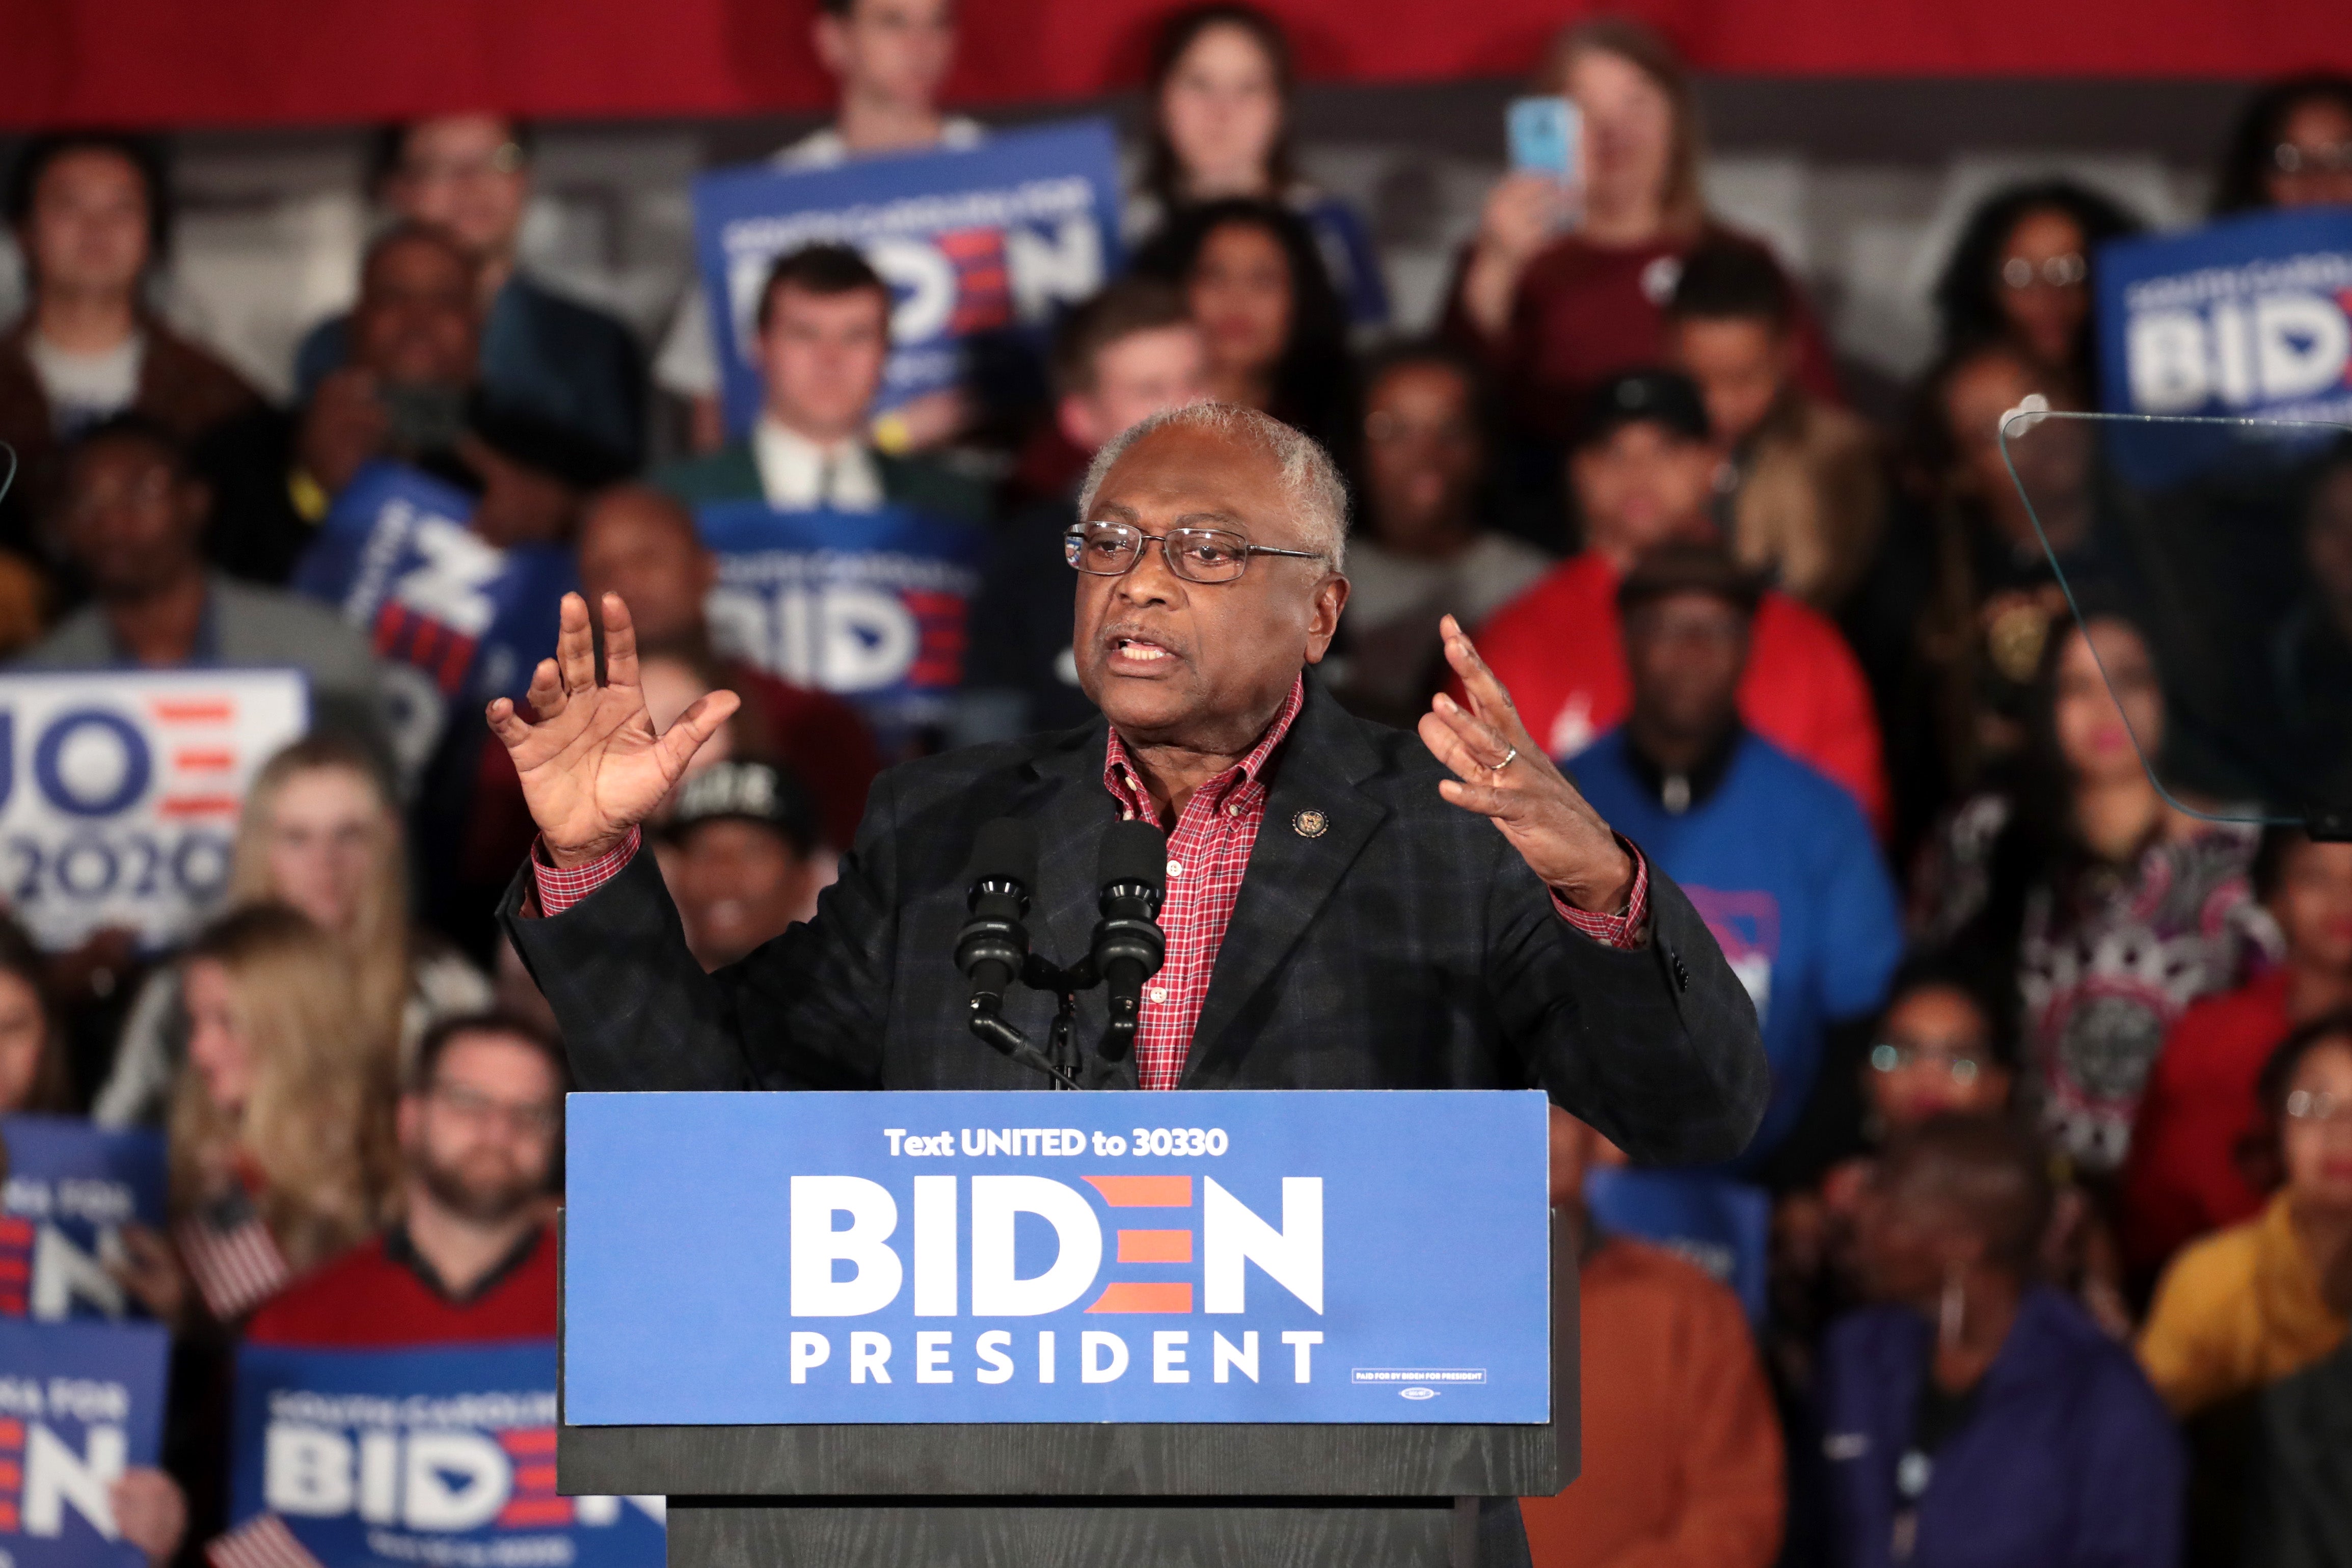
1234	809
1175	868
1160	994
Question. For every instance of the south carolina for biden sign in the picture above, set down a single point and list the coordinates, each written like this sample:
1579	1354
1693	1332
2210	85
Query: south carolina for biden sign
1215	1257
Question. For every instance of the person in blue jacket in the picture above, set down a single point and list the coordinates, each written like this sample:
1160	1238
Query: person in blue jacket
1977	1417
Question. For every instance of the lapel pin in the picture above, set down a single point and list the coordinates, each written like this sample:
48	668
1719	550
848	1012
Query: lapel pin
1310	824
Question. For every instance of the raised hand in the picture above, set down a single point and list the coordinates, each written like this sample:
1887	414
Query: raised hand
593	767
1501	774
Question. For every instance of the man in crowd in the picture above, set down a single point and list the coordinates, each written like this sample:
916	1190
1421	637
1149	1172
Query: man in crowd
469	176
132	516
740	860
1806	496
641	544
890	57
88	211
1644	472
824	327
472	1260
1682	1463
1423	551
1778	859
1121	357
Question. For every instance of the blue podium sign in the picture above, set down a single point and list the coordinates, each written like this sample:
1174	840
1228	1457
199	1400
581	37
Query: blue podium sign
1329	1257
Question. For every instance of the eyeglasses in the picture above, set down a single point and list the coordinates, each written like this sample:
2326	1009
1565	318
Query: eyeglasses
1195	554
1892	1055
2056	272
2331	159
539	1119
2317	1107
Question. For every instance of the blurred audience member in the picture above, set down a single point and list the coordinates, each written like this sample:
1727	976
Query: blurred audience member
1422	549
2022	275
2311	649
1683	1466
1644	476
132	515
279	1155
33	1071
641	544
1277	335
534	477
472	1257
2195	1165
542	353
1778	859
2269	1295
1978	1416
1127	353
824	332
1804	492
1567	286
743	862
320	834
90	213
2300	1501
2292	147
890	57
1219	93
2121	910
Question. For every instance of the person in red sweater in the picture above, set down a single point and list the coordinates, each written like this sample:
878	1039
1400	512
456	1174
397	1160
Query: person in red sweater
472	1260
2199	1120
1643	473
1682	1457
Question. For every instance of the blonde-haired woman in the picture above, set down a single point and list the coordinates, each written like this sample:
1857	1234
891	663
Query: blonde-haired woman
281	1146
321	834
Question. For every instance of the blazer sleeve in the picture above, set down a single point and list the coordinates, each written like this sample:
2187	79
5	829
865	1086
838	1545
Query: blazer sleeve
1655	1045
808	1010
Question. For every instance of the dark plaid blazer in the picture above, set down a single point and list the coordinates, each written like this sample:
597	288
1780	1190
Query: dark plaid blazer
1406	946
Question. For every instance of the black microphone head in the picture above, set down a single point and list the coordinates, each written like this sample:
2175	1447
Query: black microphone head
1005	851
1135	851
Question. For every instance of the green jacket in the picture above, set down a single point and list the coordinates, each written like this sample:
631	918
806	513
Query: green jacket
731	474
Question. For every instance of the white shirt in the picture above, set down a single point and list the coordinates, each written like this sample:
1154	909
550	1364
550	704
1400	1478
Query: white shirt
796	474
84	388
687	363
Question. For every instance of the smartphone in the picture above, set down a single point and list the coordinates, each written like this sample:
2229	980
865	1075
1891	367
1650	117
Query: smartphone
1544	133
423	419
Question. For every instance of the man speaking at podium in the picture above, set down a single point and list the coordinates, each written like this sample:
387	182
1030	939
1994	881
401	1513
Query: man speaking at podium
1347	906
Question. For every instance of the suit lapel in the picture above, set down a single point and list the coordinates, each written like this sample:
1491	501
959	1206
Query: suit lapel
1078	810
1293	868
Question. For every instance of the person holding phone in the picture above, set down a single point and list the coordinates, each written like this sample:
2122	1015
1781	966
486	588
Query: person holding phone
1568	280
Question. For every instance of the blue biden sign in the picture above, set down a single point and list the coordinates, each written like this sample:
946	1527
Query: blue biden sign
1215	1257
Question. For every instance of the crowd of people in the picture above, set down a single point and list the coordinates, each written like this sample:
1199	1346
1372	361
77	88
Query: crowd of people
2058	1152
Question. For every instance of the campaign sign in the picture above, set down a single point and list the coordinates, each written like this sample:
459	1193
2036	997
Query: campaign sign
984	239
933	1257
455	620
870	605
2247	317
438	1456
120	791
1712	1221
71	1189
79	1405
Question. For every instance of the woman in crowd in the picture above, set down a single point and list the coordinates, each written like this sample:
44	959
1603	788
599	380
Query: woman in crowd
1566	286
2121	908
1977	1415
319	833
2292	147
32	1060
2022	275
1219	93
280	1119
1277	338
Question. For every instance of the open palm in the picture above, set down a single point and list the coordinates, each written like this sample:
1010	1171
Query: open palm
592	767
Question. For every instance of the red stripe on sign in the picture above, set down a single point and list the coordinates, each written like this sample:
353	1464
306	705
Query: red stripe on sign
204	762
218	711
1144	1192
14	1271
12	1432
1155	1247
12	1303
9	1517
528	1439
388	621
1132	1296
14	1232
197	806
528	1510
12	1475
538	1478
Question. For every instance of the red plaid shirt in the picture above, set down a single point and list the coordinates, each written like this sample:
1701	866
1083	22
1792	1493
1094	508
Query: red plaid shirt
1207	852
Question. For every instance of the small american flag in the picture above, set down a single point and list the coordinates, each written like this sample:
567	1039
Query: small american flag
232	1256
261	1541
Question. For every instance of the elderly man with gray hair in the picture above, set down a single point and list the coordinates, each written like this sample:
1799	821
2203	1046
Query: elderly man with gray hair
1348	906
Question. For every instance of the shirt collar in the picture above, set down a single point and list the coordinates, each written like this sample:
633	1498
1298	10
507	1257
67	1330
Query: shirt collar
797	474
1683	792
399	1248
1125	785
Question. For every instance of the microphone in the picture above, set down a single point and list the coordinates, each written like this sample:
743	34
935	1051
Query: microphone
993	944
1128	947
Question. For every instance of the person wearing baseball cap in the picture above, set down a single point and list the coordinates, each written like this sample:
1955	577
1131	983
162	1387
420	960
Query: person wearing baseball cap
1644	472
739	851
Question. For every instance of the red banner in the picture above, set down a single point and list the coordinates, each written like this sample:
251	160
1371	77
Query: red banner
252	62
